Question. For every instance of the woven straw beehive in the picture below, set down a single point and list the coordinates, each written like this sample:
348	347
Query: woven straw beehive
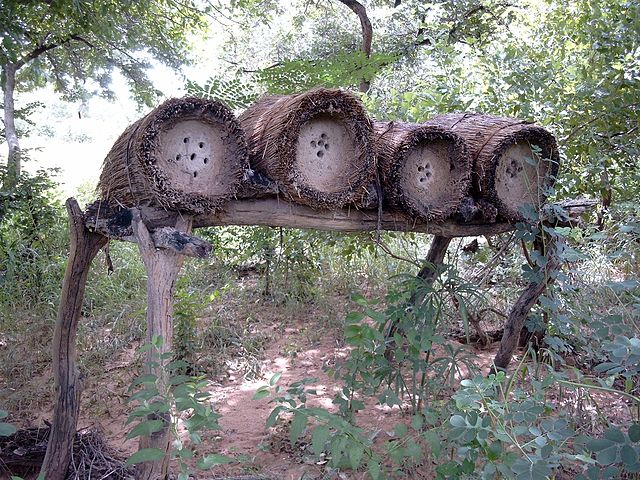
317	145
188	155
425	170
513	160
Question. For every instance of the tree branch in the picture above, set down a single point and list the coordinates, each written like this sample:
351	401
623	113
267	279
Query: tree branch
367	33
39	50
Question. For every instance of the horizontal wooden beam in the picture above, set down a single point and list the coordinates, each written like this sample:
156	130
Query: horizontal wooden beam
282	213
274	212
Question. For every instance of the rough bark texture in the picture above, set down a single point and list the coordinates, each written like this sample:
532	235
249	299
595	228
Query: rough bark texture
522	307
425	169
162	268
68	384
13	158
279	213
167	238
286	136
434	258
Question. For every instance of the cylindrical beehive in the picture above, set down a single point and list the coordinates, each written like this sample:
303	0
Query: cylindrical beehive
425	169
188	155
316	145
513	160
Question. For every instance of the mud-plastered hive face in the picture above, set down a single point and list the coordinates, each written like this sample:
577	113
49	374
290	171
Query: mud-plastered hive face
323	153
519	175
426	174
191	153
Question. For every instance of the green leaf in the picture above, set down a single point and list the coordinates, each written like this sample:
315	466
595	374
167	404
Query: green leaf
212	460
297	427
6	429
458	421
373	468
274	379
417	421
145	455
261	393
400	430
319	438
356	451
615	435
634	432
608	455
146	428
598	444
273	417
628	455
3	414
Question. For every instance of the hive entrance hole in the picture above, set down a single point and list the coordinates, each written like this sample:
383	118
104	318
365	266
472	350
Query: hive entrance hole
192	153
518	177
425	175
324	153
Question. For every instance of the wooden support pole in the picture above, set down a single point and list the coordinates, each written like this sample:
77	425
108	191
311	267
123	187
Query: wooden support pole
525	302
428	274
83	248
435	258
162	268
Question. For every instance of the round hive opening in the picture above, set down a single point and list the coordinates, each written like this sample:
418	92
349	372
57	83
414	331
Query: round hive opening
425	169
191	152
188	154
316	145
520	175
507	170
323	153
426	174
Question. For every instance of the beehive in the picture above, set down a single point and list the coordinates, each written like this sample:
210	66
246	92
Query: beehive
513	160
188	155
425	169
316	145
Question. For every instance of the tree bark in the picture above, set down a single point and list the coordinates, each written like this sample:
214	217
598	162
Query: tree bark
434	258
520	310
367	34
68	383
162	268
273	212
13	159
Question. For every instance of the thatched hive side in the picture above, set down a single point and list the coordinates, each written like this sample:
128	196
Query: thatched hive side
513	160
317	145
188	154
425	169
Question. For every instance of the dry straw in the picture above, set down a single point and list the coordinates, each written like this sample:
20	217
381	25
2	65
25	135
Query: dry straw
316	145
425	169
513	160
188	155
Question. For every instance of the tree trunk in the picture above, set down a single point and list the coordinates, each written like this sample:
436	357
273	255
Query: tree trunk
13	158
162	268
367	34
68	383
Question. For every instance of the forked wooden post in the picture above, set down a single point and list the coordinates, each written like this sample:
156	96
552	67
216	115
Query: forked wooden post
84	246
162	268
